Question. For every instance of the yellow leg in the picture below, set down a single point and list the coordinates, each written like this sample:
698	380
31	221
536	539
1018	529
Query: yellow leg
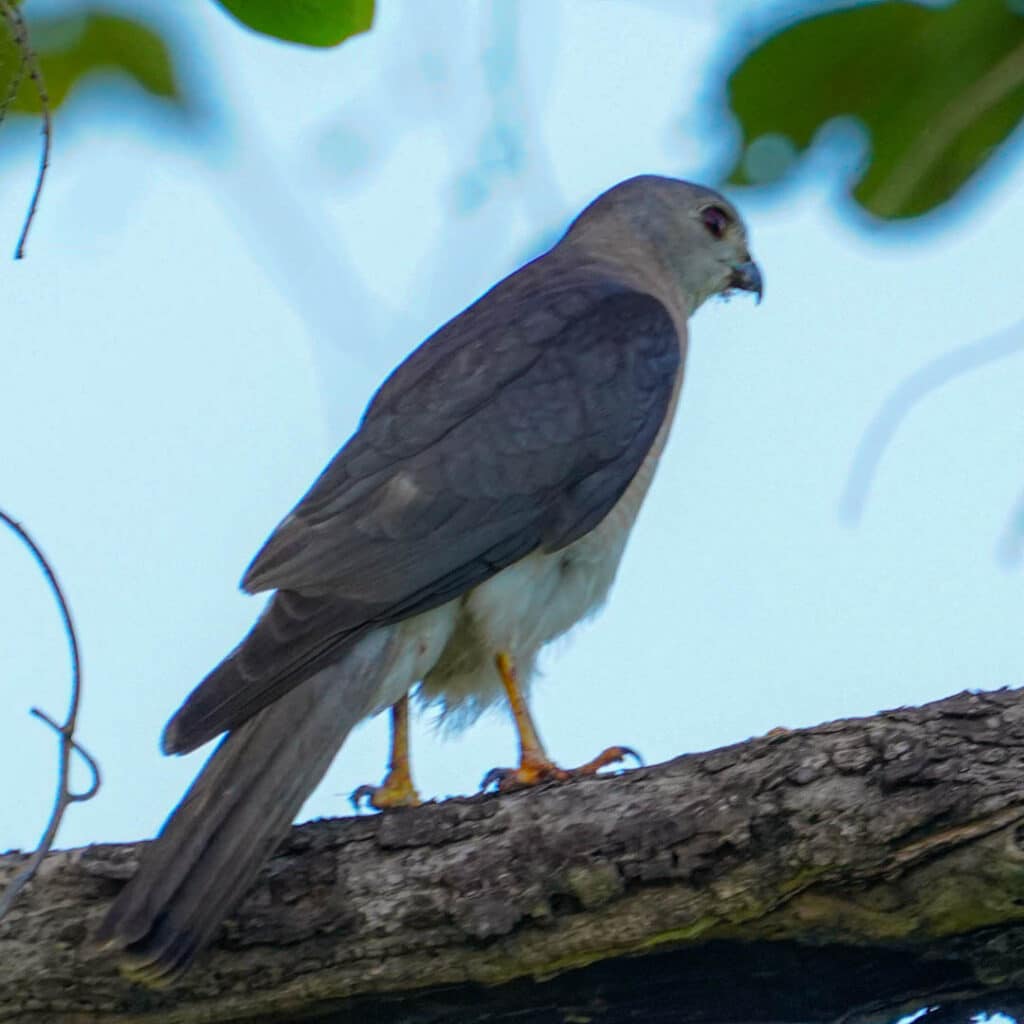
534	764
397	789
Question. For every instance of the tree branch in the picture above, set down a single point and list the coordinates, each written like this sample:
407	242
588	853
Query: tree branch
68	744
19	33
904	398
849	872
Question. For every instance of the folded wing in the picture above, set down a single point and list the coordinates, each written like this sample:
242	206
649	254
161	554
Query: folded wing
517	426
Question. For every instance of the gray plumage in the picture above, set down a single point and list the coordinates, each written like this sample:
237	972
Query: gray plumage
235	813
511	429
483	504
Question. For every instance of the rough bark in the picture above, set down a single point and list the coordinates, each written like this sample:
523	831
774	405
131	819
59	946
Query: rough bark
855	870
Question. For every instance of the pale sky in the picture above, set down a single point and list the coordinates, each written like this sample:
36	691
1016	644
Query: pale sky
204	313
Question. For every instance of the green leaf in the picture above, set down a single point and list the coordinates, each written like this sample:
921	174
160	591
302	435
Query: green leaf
74	47
313	22
937	88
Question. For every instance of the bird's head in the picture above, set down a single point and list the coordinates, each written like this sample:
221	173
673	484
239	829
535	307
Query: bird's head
688	236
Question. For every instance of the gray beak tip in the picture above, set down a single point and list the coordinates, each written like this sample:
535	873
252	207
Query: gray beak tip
747	277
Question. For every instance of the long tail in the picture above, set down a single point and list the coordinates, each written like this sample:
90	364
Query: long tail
236	813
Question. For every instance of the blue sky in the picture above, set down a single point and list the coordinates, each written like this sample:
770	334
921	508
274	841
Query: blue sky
201	321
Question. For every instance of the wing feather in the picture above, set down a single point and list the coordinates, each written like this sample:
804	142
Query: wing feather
516	427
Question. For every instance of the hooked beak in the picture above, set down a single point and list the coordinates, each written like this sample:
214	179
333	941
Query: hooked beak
747	277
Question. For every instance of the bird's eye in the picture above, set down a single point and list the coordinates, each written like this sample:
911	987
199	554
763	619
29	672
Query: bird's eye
715	219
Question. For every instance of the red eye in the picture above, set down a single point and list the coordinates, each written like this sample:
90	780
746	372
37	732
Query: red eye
715	219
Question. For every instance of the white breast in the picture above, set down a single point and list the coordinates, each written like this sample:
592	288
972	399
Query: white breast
523	607
526	606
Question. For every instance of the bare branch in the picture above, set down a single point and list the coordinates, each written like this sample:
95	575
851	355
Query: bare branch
1011	545
854	872
924	380
16	79
19	31
68	744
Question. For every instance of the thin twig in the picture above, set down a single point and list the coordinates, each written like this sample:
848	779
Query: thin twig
16	79
65	796
19	31
882	428
1011	545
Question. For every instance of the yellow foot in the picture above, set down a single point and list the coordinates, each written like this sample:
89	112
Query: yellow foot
534	771
396	790
610	755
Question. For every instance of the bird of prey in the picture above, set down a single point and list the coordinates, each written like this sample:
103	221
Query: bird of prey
479	511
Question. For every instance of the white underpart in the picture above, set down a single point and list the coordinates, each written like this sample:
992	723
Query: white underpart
452	649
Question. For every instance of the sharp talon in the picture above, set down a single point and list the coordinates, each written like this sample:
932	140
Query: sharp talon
630	752
609	756
495	777
359	795
390	794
